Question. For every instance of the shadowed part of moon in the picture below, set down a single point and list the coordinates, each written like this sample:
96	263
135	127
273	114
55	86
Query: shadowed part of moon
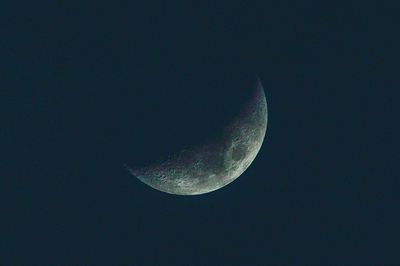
216	163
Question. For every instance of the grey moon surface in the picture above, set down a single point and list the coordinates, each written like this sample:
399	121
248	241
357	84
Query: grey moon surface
216	163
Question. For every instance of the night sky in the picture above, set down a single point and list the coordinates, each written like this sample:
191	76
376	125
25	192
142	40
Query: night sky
87	88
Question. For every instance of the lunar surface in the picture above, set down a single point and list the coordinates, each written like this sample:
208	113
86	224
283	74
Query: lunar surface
216	163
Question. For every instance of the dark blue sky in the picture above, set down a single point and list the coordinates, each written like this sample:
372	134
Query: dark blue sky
84	85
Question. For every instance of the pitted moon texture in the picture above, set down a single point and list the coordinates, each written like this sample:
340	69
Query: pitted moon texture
217	163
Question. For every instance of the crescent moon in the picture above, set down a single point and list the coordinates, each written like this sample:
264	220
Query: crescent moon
216	163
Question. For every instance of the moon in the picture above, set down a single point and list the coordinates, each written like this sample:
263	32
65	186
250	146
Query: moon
216	162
